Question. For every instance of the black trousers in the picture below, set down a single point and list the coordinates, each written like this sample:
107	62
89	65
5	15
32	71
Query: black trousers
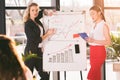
38	64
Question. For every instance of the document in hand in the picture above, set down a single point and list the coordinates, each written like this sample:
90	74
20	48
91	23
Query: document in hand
83	35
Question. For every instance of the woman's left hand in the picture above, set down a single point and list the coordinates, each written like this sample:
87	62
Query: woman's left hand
89	40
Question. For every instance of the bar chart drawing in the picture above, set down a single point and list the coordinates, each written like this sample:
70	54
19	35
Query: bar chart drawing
62	56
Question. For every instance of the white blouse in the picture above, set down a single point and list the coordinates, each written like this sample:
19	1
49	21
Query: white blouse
97	32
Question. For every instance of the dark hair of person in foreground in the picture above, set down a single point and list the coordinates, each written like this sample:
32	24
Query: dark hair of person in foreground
11	65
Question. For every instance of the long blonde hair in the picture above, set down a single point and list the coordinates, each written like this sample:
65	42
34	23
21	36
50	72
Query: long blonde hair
26	15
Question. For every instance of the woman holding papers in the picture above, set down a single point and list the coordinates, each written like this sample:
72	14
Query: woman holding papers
35	34
98	38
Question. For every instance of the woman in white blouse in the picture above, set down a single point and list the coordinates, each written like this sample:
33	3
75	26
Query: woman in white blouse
98	38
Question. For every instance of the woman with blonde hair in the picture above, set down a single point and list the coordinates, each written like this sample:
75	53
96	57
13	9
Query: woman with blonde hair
12	66
35	34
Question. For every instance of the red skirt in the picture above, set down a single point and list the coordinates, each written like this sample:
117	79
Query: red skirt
97	58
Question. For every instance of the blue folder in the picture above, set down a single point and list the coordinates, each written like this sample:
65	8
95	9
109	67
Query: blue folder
83	35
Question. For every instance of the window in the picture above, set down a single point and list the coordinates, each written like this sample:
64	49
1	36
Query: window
16	3
75	5
112	18
14	23
14	14
112	10
112	3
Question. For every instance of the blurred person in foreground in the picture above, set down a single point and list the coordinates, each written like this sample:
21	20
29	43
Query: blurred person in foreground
12	66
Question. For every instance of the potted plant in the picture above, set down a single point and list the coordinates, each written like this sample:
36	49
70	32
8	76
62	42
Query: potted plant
29	56
114	49
114	52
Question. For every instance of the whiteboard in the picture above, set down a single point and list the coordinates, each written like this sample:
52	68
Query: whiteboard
67	24
63	52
